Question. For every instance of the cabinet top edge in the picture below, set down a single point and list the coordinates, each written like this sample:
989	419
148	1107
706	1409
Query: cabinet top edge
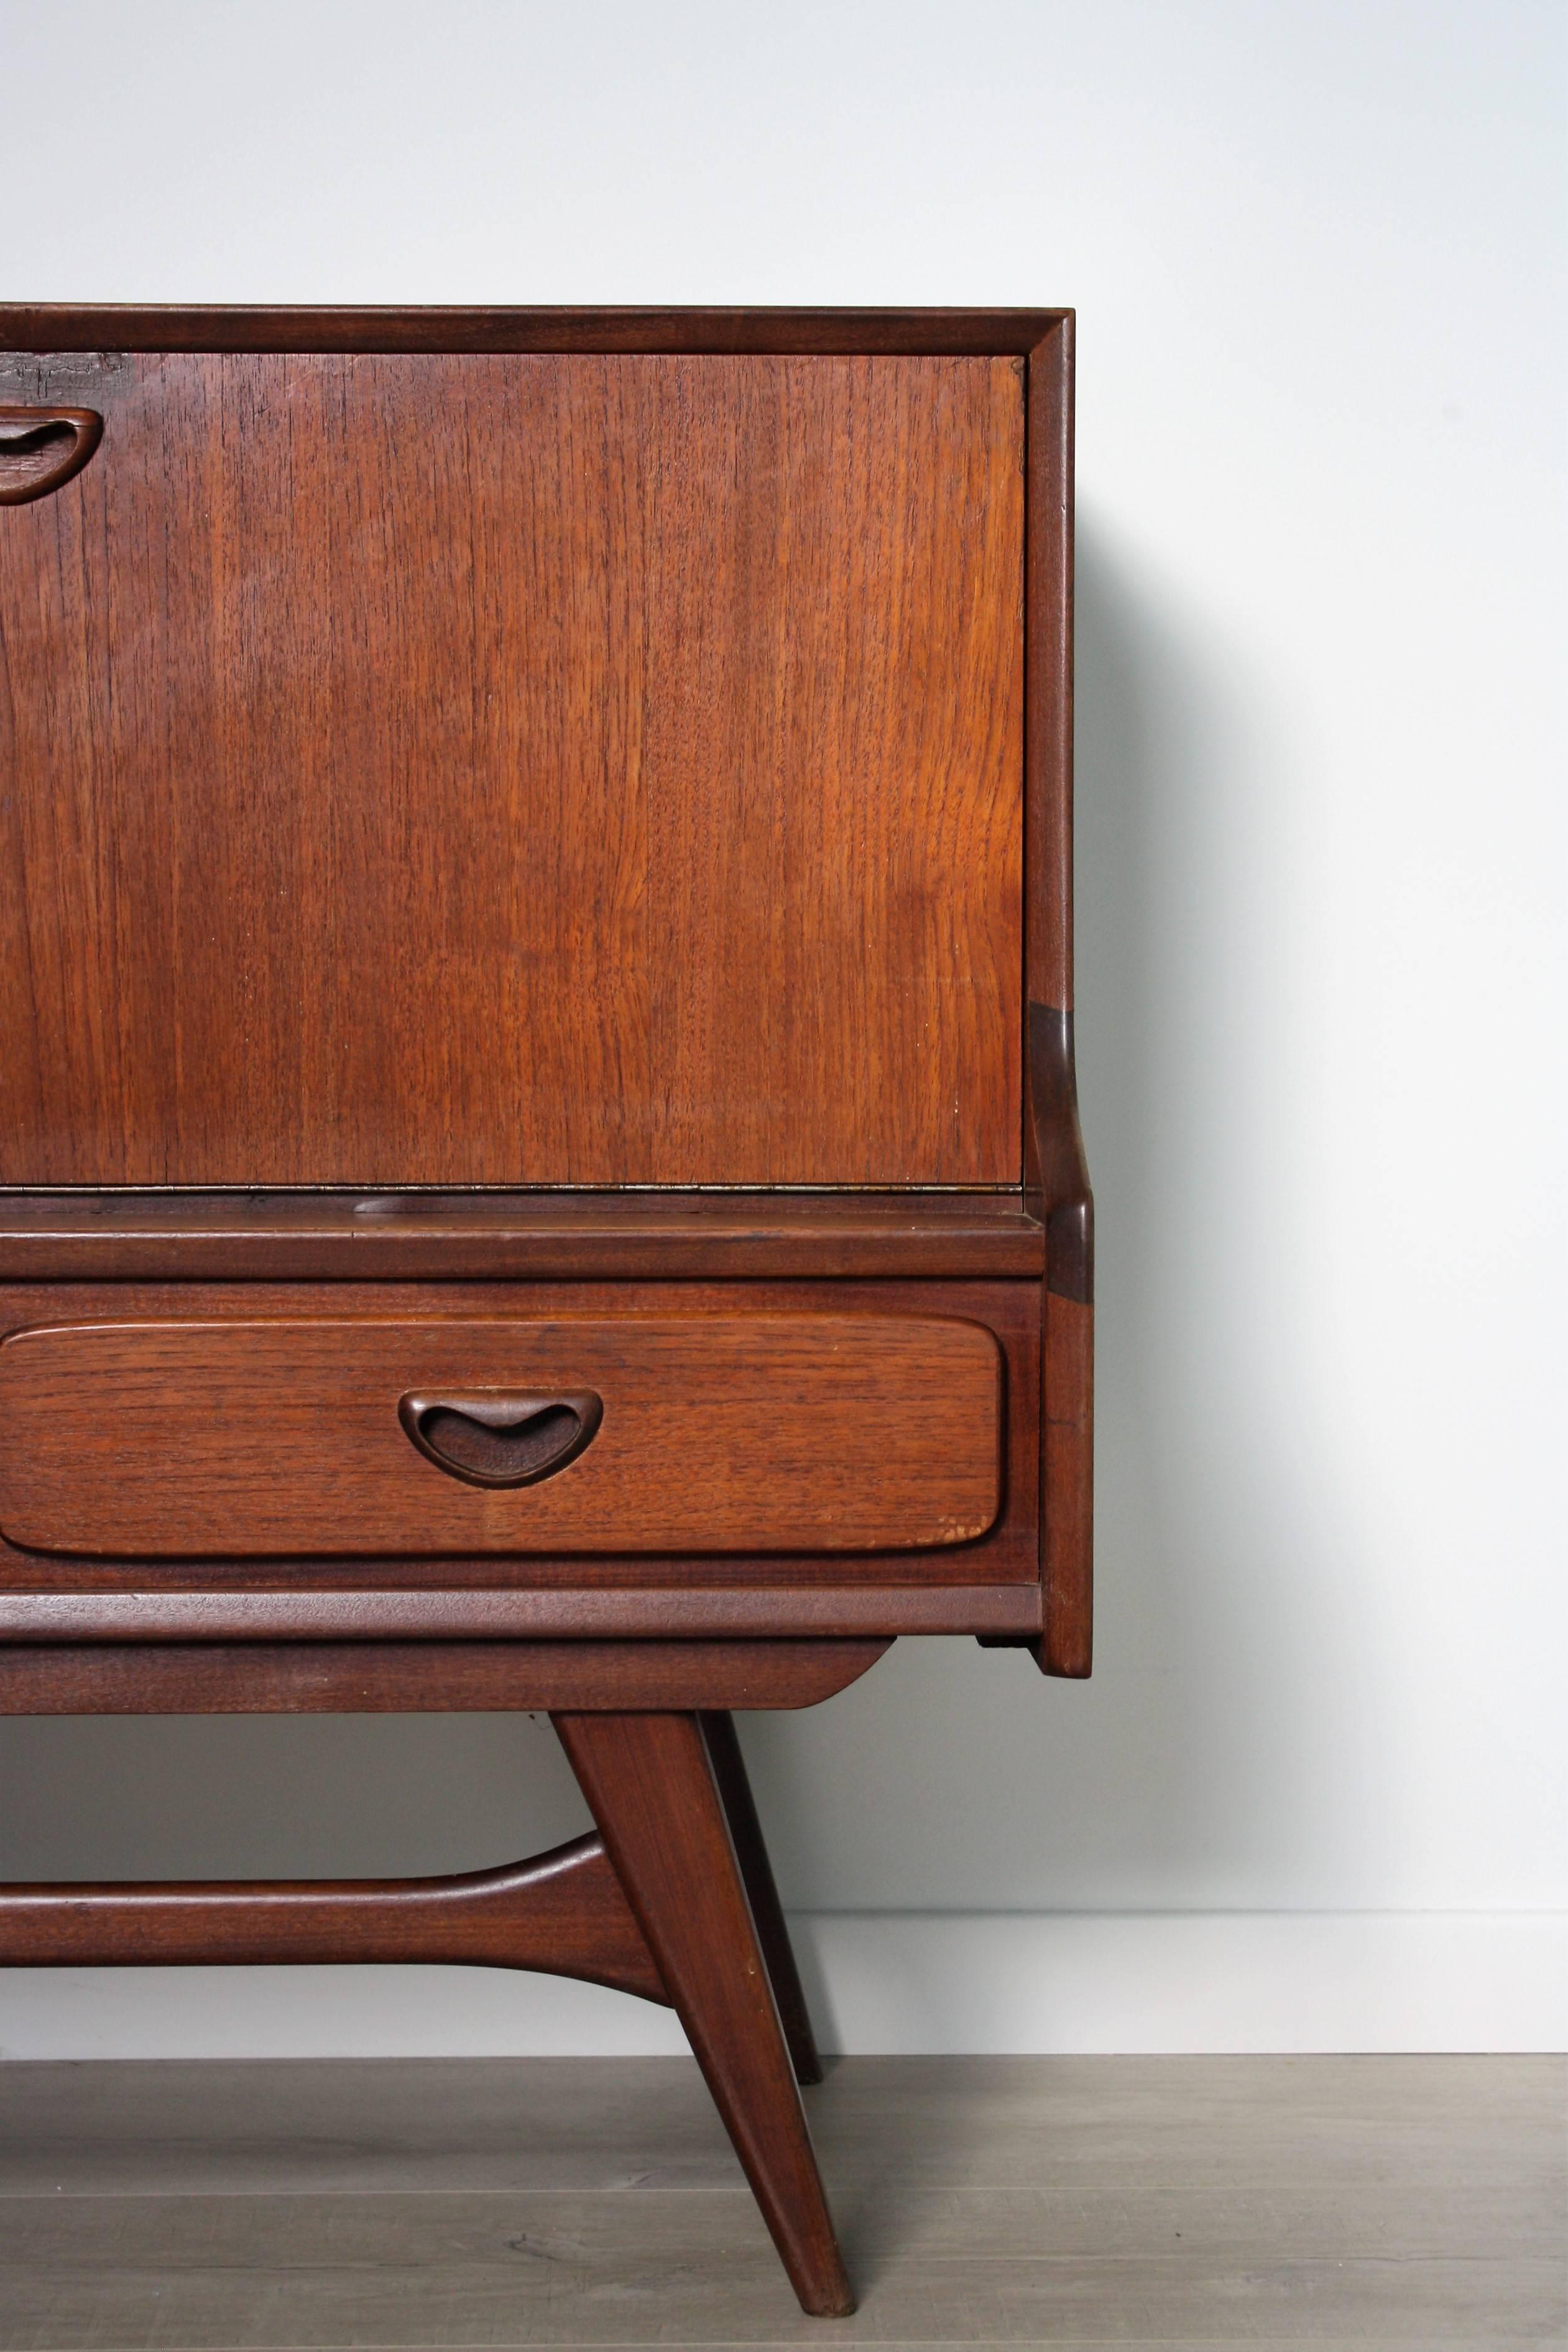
47	326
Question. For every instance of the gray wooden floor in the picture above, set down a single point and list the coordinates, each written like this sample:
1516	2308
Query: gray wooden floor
1271	2203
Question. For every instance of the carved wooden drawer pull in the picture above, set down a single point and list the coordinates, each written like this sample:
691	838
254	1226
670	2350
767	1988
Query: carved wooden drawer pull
492	1439
41	448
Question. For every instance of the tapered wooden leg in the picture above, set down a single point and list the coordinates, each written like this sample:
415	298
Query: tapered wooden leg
767	1912
649	1782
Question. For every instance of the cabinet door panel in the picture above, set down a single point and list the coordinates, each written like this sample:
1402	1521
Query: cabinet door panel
530	769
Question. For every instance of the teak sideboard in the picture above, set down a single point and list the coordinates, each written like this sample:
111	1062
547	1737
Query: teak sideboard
539	1163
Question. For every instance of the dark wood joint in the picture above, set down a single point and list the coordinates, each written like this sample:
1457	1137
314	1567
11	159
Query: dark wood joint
1060	1192
1059	1170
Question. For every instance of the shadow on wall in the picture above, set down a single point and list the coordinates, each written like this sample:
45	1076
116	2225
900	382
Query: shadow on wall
1181	1776
952	1777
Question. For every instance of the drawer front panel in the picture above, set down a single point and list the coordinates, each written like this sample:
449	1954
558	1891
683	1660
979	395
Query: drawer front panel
803	1433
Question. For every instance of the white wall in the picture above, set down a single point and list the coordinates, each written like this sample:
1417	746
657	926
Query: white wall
1315	1795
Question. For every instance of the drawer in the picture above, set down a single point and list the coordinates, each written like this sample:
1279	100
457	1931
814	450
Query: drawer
632	1434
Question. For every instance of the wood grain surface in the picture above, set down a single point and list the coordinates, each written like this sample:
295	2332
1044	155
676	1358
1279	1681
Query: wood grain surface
649	1783
93	1606
553	1593
371	1677
1048	686
735	1786
562	1914
1066	1643
485	1237
40	335
786	1433
433	768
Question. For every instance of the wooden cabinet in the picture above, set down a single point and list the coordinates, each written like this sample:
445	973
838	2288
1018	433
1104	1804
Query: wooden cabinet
536	1089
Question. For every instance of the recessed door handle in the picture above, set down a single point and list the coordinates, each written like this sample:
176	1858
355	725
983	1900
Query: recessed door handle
41	448
490	1438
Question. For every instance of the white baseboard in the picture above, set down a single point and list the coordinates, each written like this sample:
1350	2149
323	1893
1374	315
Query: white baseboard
1192	1982
888	1982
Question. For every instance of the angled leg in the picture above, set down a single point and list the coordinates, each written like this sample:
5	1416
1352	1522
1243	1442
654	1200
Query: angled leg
650	1784
767	1912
